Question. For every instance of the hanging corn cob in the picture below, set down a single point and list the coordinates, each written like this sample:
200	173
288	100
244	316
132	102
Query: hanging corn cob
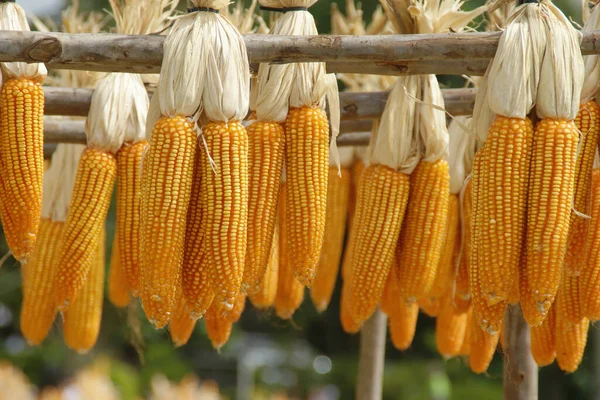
199	44
543	341
402	315
295	93
338	188
265	296
465	350
482	347
450	328
589	281
21	143
81	324
218	326
118	290
570	337
181	324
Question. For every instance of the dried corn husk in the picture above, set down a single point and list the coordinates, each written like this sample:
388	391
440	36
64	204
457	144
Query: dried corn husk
591	81
462	152
245	19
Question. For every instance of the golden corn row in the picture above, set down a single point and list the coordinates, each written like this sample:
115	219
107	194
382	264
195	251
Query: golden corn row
84	228
338	189
290	292
181	324
195	271
37	313
403	324
450	328
265	297
357	168
129	207
225	211
306	165
382	198
589	282
550	199
167	174
588	123
118	290
465	349
500	182
543	344
81	324
570	338
21	163
218	326
482	347
424	229
266	148
462	289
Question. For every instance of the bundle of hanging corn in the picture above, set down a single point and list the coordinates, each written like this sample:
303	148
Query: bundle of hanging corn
521	211
294	94
203	88
21	143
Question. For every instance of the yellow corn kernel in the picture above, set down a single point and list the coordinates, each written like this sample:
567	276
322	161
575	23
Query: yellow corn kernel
570	338
424	229
167	174
181	324
403	323
589	282
500	182
482	347
550	199
357	168
338	189
588	123
348	323
306	165
81	323
37	313
225	211
543	345
462	289
391	296
465	349
118	290
290	292
382	198
21	163
450	328
218	325
92	192
129	207
265	297
430	306
444	276
265	161
195	271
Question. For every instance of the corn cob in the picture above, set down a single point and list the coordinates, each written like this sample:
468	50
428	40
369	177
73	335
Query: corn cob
390	298
549	205
382	196
37	313
265	297
92	192
290	292
450	328
181	324
306	165
570	338
543	346
337	207
500	182
403	323
589	282
462	290
218	326
430	306
118	290
266	148
81	324
21	163
225	211
465	349
348	323
195	271
129	161
167	173
423	231
357	168
588	124
482	347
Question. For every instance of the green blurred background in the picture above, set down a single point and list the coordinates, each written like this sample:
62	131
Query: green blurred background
300	357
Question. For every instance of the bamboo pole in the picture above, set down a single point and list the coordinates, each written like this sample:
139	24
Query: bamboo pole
369	383
520	370
392	54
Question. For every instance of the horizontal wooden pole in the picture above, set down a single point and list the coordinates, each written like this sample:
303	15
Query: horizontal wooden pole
452	53
354	105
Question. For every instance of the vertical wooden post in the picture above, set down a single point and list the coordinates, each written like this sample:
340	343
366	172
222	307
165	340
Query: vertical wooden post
520	370
371	360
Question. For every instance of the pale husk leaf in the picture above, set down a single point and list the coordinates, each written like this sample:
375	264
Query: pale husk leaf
59	180
13	18
442	16
216	4
432	121
483	116
562	69
346	157
462	151
513	75
142	17
117	112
